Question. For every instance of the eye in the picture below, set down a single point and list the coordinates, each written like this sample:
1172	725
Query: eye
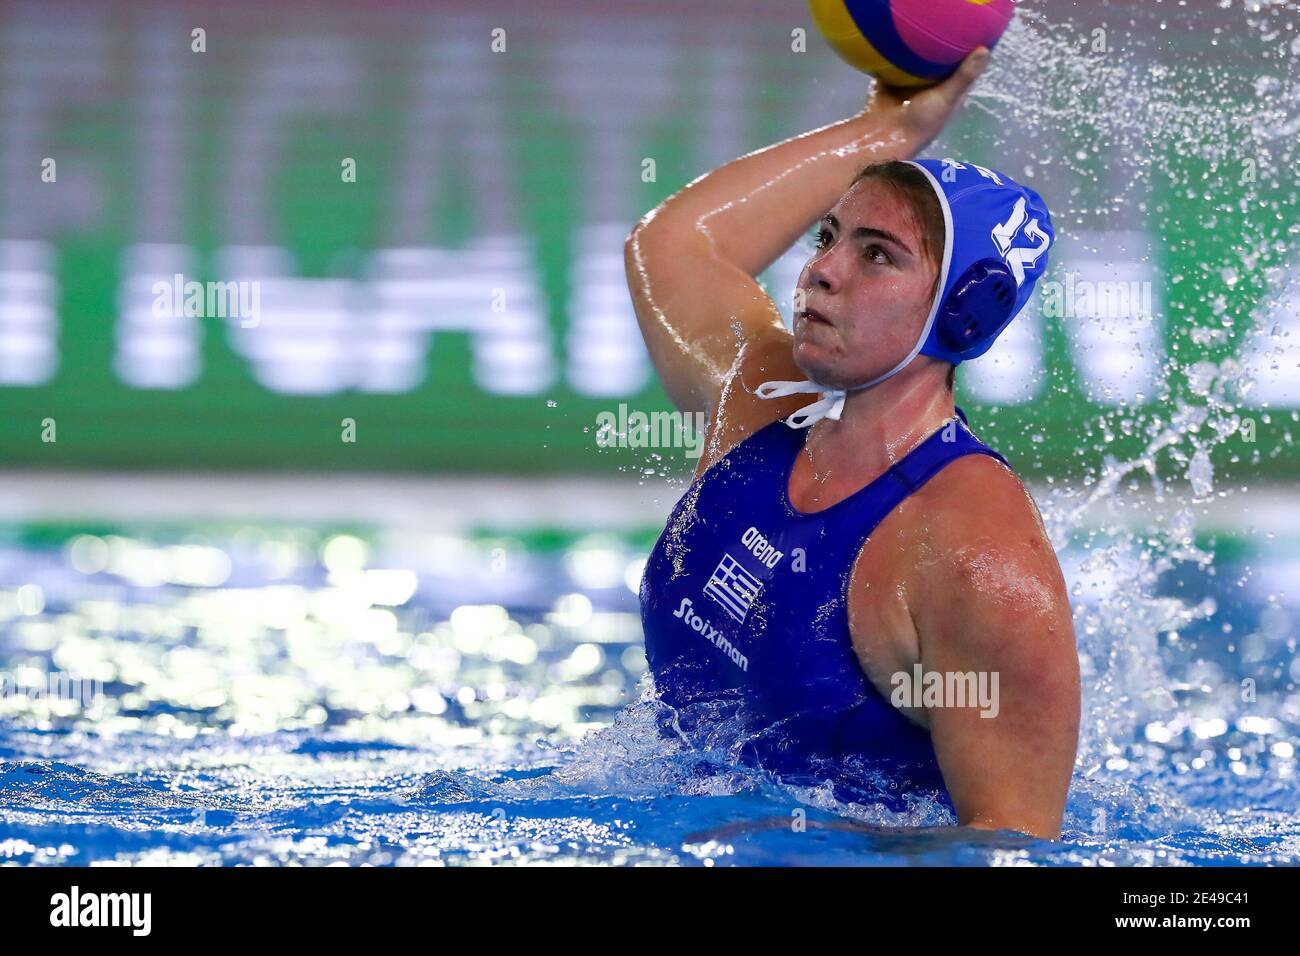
823	238
876	253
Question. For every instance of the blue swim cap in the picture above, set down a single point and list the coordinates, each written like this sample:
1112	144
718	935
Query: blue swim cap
996	237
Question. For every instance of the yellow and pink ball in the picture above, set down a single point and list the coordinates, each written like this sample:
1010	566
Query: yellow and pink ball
910	42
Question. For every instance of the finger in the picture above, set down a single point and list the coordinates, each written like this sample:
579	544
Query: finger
954	87
969	71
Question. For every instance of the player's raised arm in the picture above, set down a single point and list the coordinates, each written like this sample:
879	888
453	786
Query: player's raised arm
691	261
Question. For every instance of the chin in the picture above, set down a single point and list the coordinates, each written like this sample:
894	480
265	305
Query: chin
816	364
824	368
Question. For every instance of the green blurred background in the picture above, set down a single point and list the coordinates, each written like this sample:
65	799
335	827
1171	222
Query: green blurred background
462	302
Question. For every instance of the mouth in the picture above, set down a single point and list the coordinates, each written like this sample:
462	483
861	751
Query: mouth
815	317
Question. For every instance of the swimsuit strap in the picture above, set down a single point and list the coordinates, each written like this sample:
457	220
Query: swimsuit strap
952	441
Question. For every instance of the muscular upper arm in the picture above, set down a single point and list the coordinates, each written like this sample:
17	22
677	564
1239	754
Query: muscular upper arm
696	311
993	602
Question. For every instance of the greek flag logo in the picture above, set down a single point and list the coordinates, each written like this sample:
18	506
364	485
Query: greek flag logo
733	587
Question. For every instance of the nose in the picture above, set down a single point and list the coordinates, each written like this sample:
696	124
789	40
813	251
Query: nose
825	270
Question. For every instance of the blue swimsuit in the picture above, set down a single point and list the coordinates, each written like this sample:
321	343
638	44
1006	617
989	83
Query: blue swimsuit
744	604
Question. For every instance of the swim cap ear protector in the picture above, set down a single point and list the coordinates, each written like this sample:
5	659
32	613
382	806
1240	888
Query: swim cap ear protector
996	237
980	305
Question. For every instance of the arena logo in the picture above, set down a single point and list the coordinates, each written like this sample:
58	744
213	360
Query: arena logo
710	633
761	548
213	300
659	429
934	689
73	909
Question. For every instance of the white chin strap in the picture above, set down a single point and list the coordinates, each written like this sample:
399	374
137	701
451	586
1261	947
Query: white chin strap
831	404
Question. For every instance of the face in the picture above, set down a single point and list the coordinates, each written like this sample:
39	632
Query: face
864	296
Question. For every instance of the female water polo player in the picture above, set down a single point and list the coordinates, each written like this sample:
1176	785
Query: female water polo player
854	586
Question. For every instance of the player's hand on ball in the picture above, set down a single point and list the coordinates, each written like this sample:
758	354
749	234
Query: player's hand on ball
920	114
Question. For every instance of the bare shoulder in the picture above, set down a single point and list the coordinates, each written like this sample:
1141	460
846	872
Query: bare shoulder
740	412
977	496
956	573
975	513
986	555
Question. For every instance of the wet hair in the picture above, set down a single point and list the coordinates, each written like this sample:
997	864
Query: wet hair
913	187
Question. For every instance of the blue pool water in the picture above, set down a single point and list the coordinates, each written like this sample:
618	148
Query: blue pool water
274	694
